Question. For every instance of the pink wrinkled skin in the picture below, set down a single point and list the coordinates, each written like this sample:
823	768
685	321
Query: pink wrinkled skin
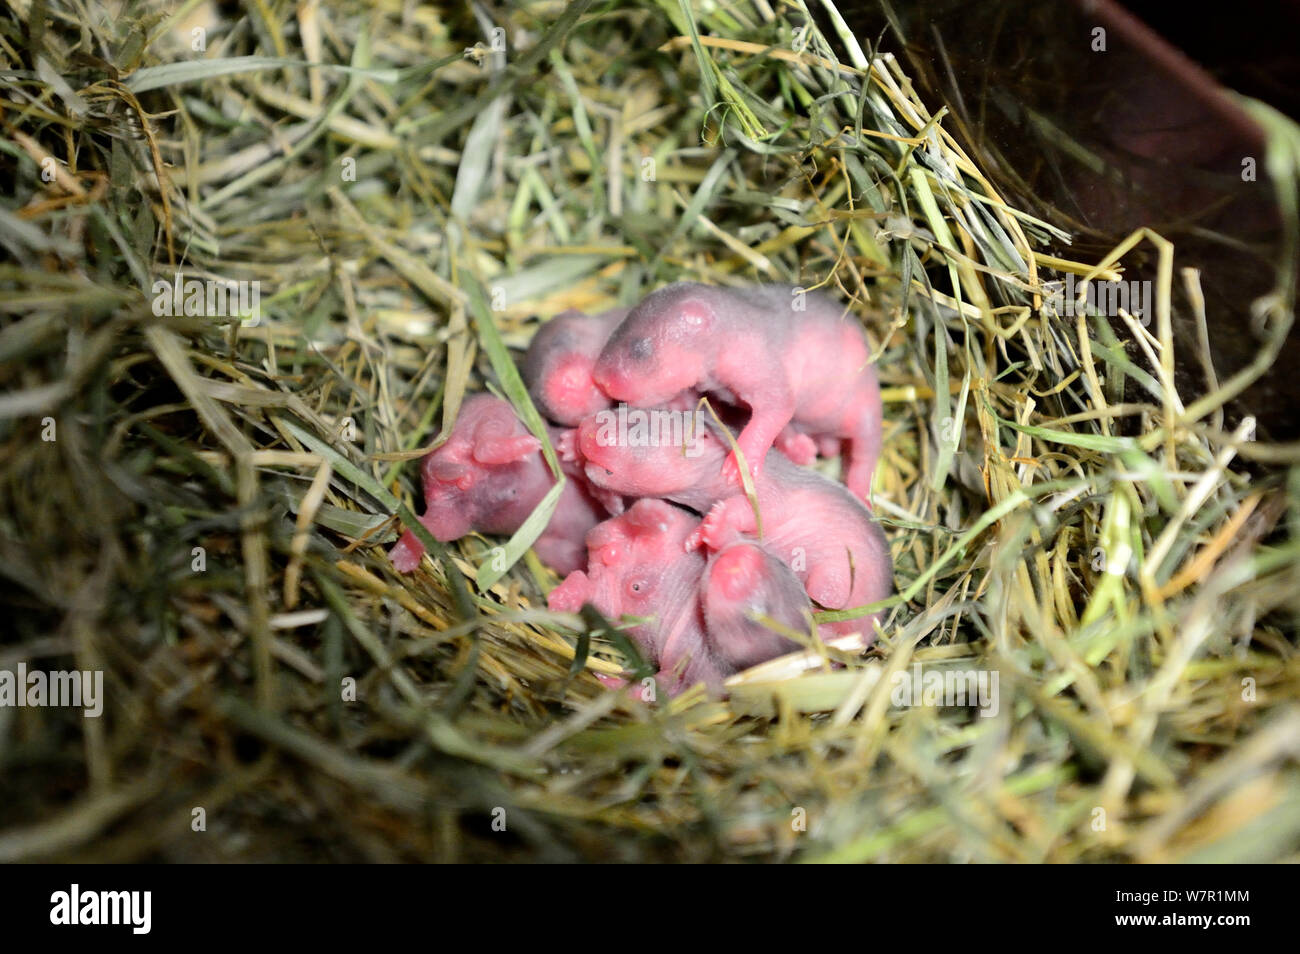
819	529
558	364
751	346
638	565
706	621
488	477
746	583
560	361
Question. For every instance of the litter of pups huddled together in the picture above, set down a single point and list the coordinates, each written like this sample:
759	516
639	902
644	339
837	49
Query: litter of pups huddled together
654	521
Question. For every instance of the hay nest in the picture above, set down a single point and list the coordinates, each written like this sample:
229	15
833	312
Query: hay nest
198	506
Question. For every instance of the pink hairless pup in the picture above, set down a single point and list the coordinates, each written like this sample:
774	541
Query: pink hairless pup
638	565
789	356
558	364
703	622
745	587
488	477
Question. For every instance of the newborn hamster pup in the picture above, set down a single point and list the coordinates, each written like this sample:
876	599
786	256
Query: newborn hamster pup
558	364
638	565
744	584
786	354
487	477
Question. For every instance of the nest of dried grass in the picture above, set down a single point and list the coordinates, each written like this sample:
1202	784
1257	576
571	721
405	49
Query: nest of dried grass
208	525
